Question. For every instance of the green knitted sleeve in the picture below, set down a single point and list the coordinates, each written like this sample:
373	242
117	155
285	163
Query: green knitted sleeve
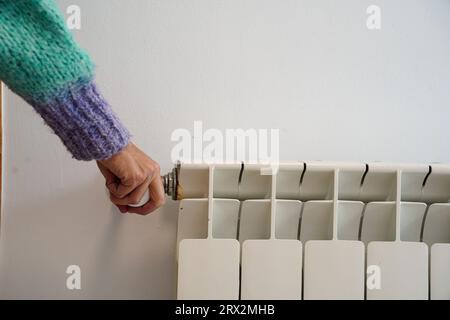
40	61
38	55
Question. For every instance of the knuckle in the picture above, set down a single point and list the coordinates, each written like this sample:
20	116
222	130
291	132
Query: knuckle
138	178
153	168
131	181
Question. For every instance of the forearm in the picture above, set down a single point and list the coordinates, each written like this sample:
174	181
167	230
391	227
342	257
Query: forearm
40	61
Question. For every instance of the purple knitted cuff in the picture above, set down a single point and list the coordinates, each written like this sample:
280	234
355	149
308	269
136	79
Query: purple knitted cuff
84	121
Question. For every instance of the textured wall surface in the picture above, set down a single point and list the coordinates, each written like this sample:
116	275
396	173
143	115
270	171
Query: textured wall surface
336	91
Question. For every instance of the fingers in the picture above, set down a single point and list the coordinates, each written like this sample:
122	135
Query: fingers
134	196
128	181
157	198
131	180
122	209
129	174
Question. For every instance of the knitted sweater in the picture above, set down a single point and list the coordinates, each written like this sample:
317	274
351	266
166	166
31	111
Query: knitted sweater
40	61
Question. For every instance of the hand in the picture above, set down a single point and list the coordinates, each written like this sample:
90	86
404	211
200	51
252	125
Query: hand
128	175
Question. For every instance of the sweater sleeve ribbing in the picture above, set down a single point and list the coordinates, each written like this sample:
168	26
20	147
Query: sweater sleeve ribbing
41	62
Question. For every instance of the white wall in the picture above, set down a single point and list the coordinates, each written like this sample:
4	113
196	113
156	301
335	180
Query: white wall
336	91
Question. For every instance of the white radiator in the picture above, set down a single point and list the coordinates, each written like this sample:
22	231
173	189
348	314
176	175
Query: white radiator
314	231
